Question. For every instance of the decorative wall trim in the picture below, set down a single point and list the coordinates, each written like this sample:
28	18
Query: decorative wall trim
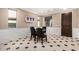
15	33
75	32
54	30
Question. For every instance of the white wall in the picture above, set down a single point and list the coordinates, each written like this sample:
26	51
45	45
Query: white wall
54	30
75	32
13	34
75	23
57	31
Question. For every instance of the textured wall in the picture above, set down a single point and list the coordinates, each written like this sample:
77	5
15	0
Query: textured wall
56	20
75	18
21	19
3	18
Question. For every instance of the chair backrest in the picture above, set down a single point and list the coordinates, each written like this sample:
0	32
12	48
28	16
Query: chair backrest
33	32
44	29
39	31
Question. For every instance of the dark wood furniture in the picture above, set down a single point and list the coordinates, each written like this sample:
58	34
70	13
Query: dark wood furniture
66	24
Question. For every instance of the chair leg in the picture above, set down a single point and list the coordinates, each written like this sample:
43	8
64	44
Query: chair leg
37	39
31	38
34	38
46	38
42	41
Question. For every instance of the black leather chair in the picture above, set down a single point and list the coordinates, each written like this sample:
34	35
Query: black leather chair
44	32
33	33
40	35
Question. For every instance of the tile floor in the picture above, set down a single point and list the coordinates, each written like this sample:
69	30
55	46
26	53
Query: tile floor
55	43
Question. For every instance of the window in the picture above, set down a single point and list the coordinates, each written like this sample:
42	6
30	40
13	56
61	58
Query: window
11	18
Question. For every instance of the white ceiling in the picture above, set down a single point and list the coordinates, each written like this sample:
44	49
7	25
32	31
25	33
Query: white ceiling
46	11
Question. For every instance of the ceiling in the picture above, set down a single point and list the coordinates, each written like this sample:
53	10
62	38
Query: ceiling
46	11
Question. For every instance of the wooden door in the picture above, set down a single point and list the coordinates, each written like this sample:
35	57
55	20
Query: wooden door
66	24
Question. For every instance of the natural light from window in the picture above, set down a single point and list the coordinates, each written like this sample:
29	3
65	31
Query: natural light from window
11	21
11	18
11	14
